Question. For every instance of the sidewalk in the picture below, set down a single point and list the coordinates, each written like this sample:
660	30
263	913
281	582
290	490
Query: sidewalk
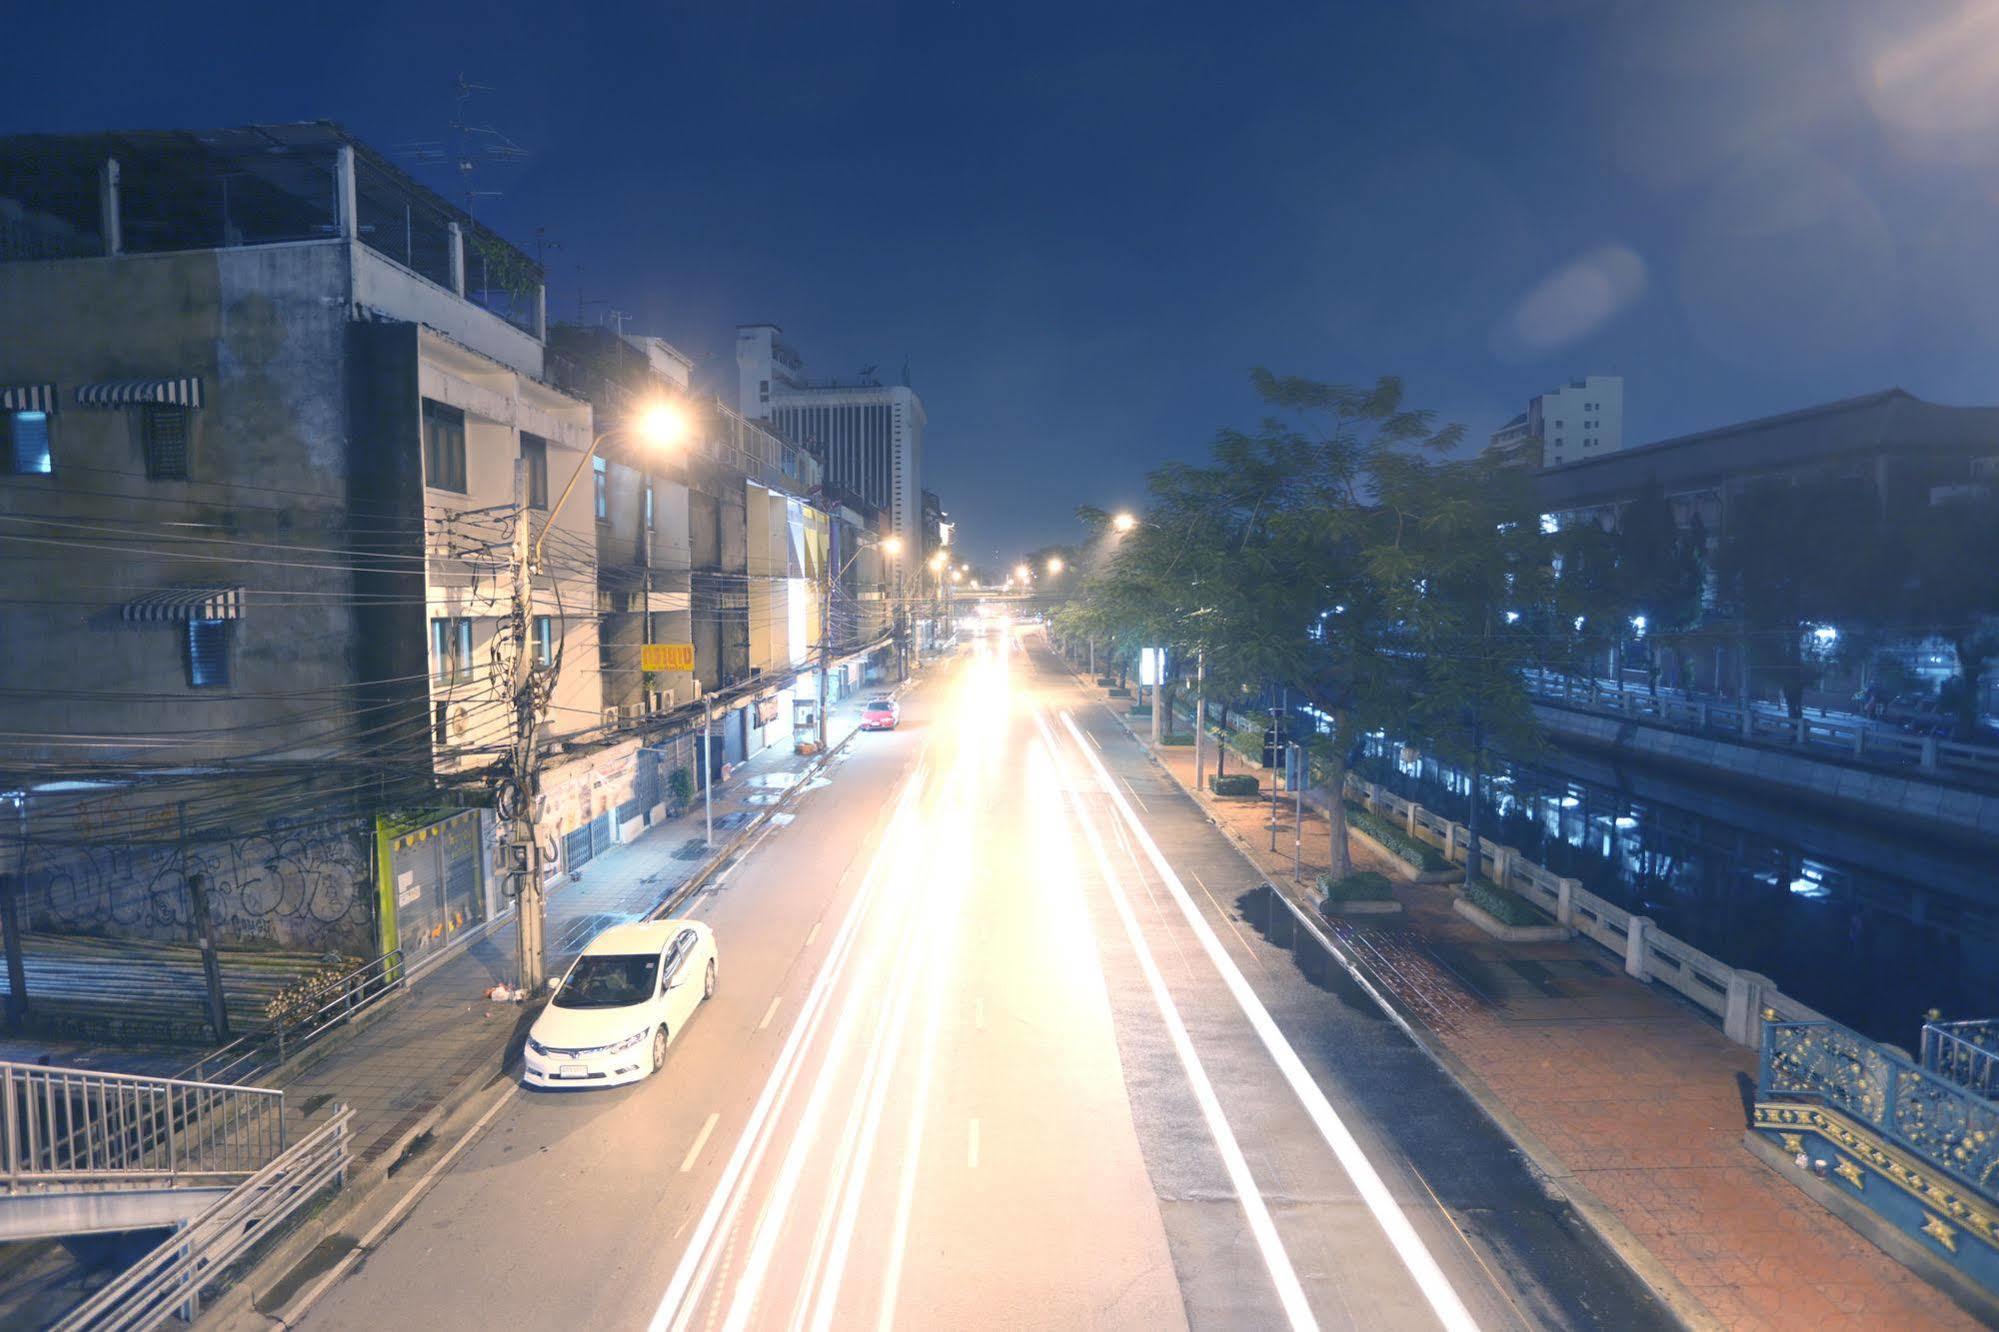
1626	1091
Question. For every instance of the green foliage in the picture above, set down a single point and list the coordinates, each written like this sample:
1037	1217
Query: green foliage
1180	738
1411	849
1950	567
1502	904
679	787
1139	710
1119	691
1365	886
1234	784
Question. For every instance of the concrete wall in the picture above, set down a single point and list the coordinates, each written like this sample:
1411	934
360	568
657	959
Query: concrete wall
380	284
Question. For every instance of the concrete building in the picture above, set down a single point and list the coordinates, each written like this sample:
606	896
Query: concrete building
867	435
1582	419
1913	453
288	387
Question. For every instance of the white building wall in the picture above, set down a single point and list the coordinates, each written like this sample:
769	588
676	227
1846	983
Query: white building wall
1582	419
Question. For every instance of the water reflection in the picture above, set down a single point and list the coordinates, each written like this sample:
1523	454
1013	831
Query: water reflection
1757	886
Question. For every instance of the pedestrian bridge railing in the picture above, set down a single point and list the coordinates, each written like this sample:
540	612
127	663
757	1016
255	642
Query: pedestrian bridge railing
68	1129
1966	1053
1828	737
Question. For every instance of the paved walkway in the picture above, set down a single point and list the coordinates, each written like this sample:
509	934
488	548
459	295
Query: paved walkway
1639	1095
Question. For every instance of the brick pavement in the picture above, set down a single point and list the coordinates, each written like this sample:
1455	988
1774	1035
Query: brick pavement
1638	1094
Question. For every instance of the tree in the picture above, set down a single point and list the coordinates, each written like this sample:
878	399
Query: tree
1462	550
1659	578
1950	584
1259	559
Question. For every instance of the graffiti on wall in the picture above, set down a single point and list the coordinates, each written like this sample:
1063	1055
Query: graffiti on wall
294	884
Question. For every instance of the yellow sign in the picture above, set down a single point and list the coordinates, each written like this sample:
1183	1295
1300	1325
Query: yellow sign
666	657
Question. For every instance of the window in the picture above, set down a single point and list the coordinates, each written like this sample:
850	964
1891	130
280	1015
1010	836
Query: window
443	446
163	431
534	452
544	640
603	479
25	447
451	649
208	654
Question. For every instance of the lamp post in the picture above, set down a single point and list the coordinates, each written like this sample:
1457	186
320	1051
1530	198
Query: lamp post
519	787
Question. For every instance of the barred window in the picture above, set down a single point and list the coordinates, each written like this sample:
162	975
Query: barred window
163	430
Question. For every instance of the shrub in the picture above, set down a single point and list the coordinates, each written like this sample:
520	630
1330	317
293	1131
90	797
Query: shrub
1366	886
1106	681
1413	850
1502	904
1235	784
1119	691
1140	710
1177	738
679	788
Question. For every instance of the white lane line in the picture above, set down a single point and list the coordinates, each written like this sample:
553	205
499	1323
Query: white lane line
401	1209
700	1141
972	1145
813	933
697	1261
1135	795
1290	1293
1394	1222
1229	918
770	1012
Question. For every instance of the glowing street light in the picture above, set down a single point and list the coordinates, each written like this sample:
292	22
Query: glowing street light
957	575
663	424
1022	572
937	562
1054	564
1124	522
891	545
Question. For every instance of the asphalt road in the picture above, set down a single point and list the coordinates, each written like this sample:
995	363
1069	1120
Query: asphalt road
998	1043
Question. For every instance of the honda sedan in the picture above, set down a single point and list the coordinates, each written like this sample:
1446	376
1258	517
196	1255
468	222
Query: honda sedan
621	1004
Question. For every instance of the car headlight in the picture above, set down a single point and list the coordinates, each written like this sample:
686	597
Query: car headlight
537	1046
627	1043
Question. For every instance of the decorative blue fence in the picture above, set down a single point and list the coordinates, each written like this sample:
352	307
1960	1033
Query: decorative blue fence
1930	1115
1966	1053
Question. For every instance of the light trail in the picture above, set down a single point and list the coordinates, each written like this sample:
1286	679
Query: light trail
1416	1257
1290	1292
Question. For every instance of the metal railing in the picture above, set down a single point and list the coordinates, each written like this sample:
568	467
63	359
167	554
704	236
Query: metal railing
333	1003
1935	1119
1967	1053
1828	736
77	1128
167	1283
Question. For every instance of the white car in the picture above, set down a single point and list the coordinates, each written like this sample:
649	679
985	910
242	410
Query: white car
620	1005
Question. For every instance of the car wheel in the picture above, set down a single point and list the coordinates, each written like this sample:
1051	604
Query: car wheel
658	1049
708	981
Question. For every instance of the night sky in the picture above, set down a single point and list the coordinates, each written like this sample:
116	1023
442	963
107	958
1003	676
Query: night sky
1082	224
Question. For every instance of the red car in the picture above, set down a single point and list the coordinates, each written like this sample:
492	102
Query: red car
880	714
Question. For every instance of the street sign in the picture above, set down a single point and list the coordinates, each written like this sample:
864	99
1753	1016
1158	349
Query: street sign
666	657
1151	665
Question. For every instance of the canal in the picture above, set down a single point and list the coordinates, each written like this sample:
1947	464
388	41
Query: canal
1869	925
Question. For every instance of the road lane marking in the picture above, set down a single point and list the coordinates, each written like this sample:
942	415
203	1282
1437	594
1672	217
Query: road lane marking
402	1207
1229	918
677	1302
813	933
770	1012
1134	794
972	1145
1290	1293
1394	1222
700	1141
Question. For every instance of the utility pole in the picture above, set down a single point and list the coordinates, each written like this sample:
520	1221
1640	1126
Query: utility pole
1158	691
1276	752
10	926
521	784
825	635
204	934
1200	718
707	775
1298	778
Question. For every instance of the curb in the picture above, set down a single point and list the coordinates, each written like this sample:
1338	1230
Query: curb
1550	1168
238	1304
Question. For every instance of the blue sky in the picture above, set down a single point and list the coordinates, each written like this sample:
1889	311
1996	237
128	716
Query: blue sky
1082	224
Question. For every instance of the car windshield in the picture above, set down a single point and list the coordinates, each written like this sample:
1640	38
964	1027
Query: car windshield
879	705
608	981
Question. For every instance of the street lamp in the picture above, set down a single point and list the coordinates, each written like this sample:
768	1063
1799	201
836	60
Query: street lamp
1124	522
890	546
661	424
1022	572
1054	564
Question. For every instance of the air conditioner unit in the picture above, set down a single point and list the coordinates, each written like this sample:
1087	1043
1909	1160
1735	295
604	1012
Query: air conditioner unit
610	716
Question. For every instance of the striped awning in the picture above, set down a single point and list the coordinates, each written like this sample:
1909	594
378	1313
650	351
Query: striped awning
28	398
186	603
134	392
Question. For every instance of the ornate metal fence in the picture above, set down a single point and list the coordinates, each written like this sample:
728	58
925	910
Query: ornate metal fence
1967	1053
1929	1115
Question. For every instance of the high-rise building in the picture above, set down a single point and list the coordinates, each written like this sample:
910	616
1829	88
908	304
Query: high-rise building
867	435
1582	419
